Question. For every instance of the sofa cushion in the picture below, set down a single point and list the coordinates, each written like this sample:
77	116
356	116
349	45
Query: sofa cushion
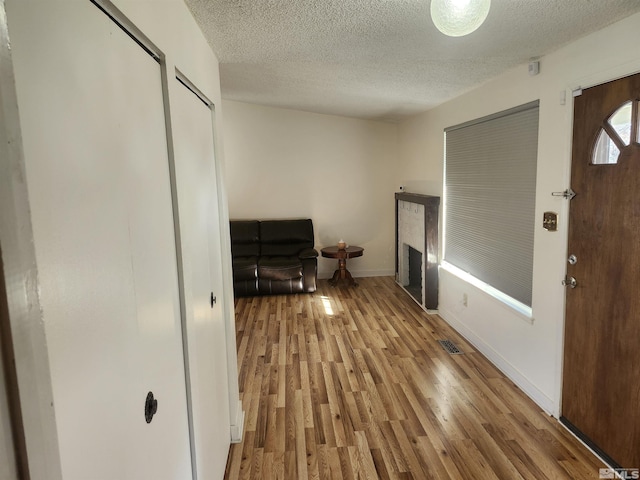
285	237
246	288
245	268
278	287
245	238
279	267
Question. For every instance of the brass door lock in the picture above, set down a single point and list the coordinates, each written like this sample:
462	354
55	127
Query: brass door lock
550	221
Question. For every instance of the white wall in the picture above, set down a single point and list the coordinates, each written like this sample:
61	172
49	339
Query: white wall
338	171
531	353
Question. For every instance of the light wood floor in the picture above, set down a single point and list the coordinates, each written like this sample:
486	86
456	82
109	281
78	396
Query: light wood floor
350	383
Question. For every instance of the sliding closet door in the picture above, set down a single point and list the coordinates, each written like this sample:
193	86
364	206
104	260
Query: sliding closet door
98	176
201	256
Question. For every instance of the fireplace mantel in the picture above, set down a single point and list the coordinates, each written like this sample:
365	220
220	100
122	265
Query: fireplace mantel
427	208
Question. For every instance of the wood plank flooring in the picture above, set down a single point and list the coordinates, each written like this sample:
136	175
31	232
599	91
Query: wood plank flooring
350	383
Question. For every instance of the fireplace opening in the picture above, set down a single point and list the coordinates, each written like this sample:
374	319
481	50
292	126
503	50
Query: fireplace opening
415	274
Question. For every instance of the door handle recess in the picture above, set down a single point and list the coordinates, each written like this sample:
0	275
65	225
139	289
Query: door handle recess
570	282
150	407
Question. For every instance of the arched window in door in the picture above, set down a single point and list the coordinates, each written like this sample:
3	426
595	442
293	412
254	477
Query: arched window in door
618	132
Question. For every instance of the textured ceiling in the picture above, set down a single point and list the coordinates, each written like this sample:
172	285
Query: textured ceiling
380	59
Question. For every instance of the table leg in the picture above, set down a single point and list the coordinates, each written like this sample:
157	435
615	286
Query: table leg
342	273
333	281
350	279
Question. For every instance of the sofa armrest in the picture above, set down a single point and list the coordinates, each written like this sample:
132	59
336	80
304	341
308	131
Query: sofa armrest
308	253
309	274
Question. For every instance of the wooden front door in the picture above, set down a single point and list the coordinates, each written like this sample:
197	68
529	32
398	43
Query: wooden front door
601	376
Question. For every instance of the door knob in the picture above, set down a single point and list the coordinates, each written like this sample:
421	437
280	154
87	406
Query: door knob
570	282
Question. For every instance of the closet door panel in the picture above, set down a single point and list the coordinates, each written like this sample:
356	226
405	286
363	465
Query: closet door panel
97	168
200	237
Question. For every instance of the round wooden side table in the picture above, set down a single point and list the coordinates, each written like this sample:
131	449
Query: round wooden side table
342	255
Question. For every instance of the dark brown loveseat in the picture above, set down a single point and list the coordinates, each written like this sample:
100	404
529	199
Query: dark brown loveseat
273	257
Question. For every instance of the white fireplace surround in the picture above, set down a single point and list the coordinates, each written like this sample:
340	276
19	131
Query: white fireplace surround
411	232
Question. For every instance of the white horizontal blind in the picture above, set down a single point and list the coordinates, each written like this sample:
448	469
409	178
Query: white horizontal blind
490	180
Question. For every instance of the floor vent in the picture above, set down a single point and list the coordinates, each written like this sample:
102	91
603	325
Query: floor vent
450	347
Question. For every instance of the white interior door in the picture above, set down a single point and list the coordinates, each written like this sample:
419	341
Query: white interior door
98	174
201	256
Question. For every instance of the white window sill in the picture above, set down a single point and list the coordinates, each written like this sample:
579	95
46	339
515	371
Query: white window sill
523	311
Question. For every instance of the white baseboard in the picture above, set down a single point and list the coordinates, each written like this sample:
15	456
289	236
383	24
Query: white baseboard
237	428
324	275
533	392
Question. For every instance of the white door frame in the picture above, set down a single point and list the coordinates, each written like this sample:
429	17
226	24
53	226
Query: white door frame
8	464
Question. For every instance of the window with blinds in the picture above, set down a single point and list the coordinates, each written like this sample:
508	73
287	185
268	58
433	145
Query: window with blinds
490	184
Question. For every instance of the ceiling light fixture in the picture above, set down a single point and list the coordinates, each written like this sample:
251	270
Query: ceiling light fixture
459	17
